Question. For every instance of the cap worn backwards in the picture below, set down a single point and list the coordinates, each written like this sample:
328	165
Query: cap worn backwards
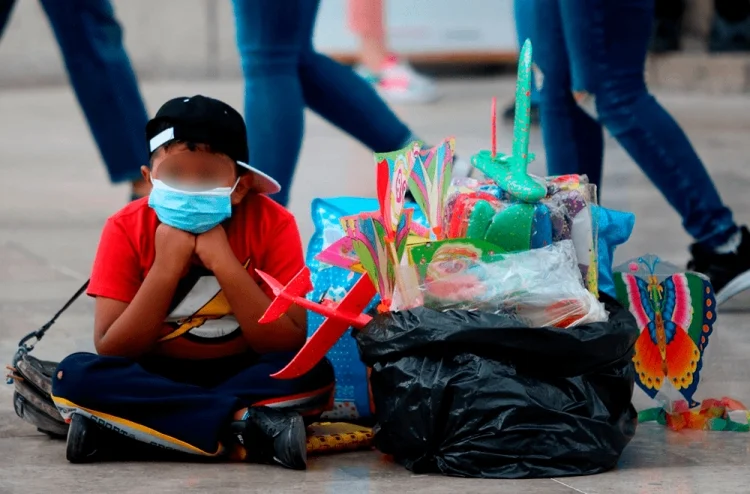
205	120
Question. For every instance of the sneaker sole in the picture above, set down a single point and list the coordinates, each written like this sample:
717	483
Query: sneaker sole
738	285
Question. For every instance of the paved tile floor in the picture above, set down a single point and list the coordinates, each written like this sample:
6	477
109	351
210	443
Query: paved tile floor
56	197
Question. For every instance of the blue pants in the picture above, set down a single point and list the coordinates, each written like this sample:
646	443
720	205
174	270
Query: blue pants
183	405
523	13
284	74
597	50
90	40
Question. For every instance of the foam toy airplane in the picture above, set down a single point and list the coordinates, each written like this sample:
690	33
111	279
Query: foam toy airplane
339	317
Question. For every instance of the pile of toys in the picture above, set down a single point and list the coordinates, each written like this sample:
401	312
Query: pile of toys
513	243
539	250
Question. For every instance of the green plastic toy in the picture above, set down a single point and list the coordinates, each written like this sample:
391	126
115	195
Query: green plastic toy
479	220
511	228
510	171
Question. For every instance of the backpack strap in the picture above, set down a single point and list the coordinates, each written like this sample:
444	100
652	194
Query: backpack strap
26	345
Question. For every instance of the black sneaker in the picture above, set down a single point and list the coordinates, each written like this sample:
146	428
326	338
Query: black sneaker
275	436
729	273
84	440
89	442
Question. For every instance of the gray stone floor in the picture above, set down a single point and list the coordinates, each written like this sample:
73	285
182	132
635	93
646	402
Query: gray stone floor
56	197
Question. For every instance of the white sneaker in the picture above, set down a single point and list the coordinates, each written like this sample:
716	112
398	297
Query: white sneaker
398	82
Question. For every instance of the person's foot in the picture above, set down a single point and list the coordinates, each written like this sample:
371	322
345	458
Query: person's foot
729	273
729	36
398	82
509	115
275	436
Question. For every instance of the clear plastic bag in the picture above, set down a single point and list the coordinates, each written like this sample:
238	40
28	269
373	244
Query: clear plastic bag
539	287
571	200
481	211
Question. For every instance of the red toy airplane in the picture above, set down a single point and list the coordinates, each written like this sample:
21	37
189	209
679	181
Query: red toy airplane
339	317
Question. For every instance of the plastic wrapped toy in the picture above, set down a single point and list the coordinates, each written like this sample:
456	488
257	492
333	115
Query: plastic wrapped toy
676	314
540	287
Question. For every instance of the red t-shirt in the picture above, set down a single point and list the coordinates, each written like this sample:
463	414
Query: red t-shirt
200	324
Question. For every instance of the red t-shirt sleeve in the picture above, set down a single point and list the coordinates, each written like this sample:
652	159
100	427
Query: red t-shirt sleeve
283	254
117	272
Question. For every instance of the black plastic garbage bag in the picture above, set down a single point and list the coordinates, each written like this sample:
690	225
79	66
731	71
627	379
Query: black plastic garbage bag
479	395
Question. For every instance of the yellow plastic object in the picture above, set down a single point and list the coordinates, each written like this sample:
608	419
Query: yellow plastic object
337	437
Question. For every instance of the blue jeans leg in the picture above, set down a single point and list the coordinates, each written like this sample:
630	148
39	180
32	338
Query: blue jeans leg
90	40
346	100
270	37
523	12
606	44
573	140
283	75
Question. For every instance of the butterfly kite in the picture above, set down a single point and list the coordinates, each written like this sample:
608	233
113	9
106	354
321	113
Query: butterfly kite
675	314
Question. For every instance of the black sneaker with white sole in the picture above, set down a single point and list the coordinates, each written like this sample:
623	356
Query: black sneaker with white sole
729	273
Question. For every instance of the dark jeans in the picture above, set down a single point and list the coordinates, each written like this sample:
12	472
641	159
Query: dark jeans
90	40
596	49
183	405
523	14
284	74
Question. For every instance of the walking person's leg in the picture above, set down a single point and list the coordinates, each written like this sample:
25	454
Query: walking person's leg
607	44
573	140
283	75
523	15
366	21
90	40
270	36
396	80
343	98
339	95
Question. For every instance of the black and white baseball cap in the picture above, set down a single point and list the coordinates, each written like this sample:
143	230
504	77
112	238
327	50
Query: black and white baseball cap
204	120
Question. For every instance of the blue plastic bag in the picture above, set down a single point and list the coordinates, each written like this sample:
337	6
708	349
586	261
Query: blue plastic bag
352	398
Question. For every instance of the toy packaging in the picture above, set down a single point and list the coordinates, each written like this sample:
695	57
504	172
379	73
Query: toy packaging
676	314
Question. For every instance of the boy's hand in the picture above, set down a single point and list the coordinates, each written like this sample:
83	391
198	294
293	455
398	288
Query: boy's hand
174	247
213	248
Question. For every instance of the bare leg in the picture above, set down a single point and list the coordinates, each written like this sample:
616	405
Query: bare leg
366	20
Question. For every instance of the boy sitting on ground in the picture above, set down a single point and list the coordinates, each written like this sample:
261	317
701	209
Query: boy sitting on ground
182	361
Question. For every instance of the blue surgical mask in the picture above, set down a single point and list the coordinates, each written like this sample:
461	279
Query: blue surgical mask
194	211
